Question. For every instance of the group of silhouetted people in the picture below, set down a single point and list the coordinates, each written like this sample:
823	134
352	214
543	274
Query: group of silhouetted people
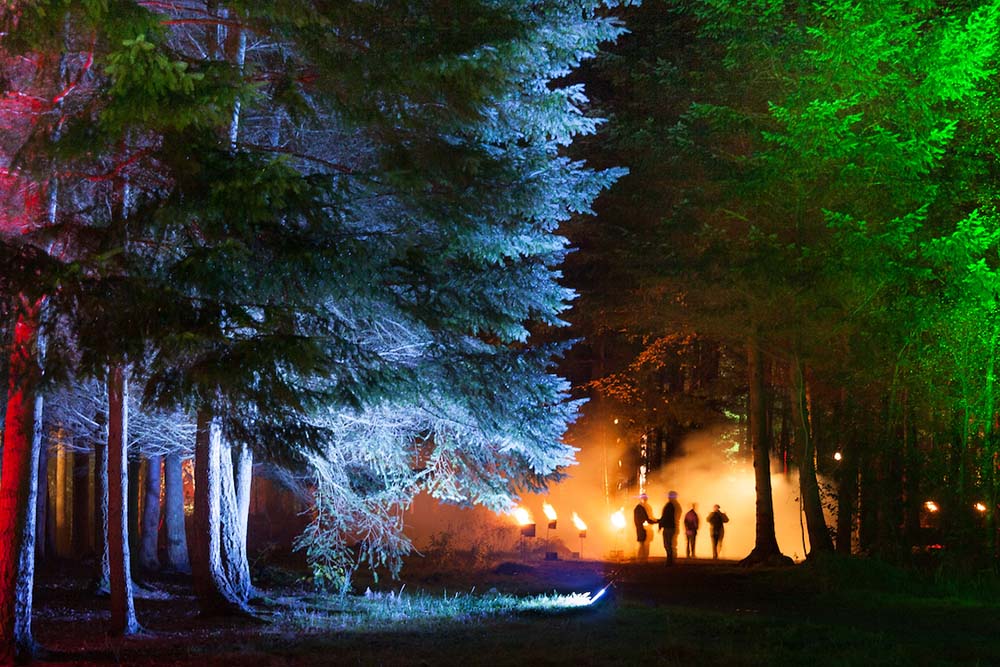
669	525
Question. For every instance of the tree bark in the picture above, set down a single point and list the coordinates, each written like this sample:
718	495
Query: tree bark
819	535
766	545
102	585
173	499
148	557
18	491
847	494
41	501
63	463
81	502
215	593
123	620
234	546
134	468
243	477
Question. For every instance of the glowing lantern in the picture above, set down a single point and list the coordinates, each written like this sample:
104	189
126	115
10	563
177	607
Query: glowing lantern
837	456
931	506
550	514
981	508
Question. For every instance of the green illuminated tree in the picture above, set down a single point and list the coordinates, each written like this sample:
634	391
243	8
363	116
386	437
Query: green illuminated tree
778	150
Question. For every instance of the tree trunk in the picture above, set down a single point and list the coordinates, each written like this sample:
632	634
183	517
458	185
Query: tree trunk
173	499
41	501
847	493
784	440
243	462
819	535
134	511
123	620
148	558
214	591
18	492
51	515
766	546
63	474
234	546
81	504
102	585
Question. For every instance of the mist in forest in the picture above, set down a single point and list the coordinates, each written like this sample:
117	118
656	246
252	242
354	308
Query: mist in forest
706	471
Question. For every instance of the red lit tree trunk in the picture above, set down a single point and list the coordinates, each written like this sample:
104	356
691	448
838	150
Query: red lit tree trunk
18	491
173	515
216	594
819	535
123	618
148	558
766	545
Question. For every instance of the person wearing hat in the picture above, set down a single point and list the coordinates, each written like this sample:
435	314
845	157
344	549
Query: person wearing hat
641	515
670	520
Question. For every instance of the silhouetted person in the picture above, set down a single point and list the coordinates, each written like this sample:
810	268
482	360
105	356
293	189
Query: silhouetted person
670	519
691	525
715	520
641	515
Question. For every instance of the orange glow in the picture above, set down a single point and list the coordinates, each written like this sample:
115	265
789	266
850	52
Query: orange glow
837	456
931	506
522	515
578	522
980	507
550	511
618	519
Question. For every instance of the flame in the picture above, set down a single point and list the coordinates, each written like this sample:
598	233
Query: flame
522	515
578	522
618	518
931	506
550	511
980	507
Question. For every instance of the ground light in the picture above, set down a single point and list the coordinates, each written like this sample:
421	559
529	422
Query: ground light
561	601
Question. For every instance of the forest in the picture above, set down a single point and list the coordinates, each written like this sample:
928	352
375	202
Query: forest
360	252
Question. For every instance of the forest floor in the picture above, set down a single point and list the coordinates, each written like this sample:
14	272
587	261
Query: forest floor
697	613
